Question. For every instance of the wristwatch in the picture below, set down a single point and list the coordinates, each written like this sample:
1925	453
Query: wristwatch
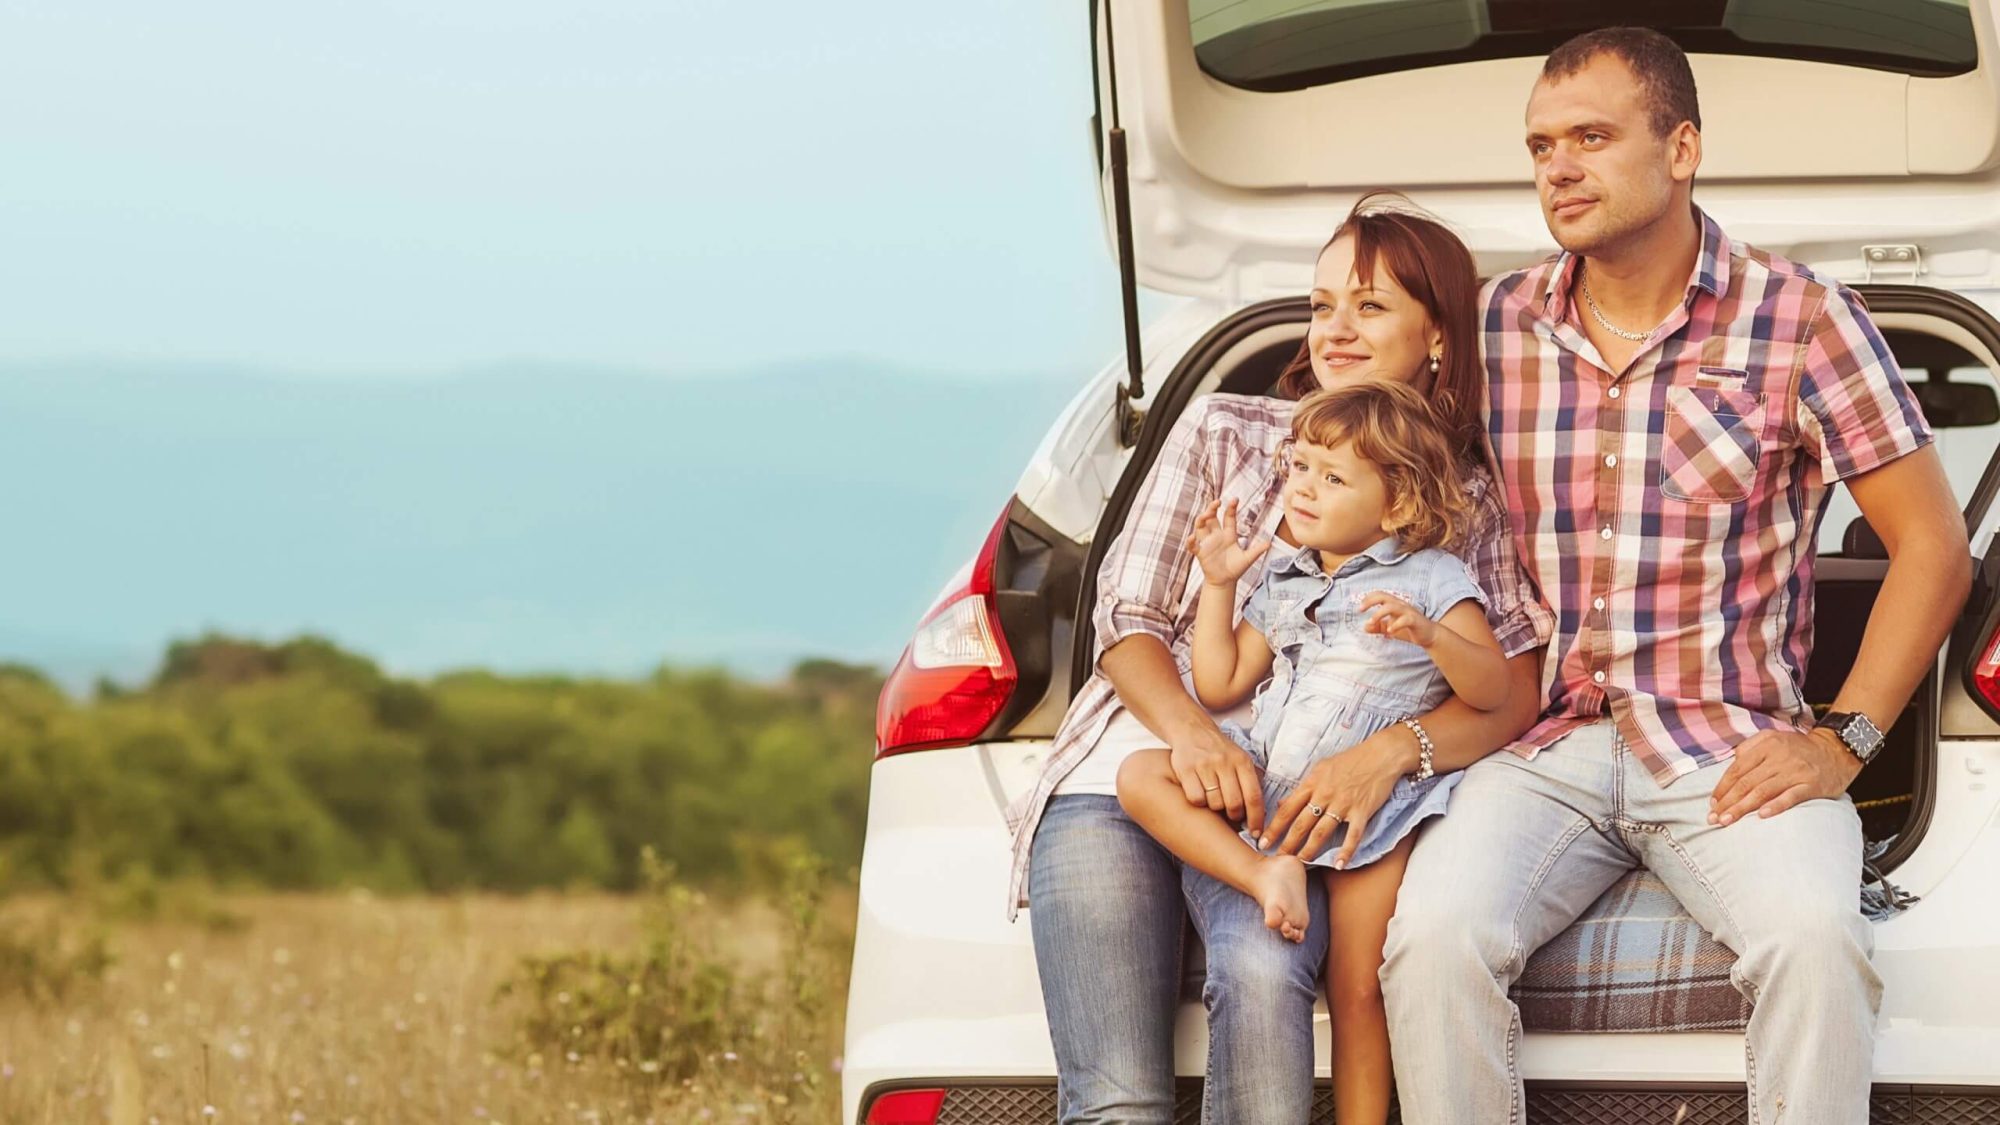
1855	731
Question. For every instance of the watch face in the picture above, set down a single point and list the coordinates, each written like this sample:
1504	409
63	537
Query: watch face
1861	736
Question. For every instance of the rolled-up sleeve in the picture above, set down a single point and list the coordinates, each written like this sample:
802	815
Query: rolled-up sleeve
1520	620
1856	413
1145	572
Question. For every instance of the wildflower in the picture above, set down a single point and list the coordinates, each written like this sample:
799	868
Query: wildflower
729	1056
208	1111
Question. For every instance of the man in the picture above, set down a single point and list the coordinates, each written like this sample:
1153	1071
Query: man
1669	411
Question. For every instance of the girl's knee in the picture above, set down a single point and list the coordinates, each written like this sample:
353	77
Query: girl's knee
1142	773
1355	992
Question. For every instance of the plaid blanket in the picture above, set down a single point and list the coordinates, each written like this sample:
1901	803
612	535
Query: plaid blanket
1635	961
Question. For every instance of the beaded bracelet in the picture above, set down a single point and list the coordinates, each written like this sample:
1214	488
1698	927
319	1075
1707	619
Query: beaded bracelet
1424	749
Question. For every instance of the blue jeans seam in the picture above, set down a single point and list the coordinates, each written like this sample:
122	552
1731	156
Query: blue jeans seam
1515	953
1729	915
1200	919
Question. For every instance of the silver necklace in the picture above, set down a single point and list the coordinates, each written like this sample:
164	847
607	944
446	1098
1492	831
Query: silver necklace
1635	337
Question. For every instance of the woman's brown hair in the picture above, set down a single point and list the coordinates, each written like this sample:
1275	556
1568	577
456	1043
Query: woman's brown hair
1434	267
1394	427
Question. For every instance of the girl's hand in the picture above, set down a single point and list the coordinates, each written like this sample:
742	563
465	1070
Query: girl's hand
1398	619
1214	542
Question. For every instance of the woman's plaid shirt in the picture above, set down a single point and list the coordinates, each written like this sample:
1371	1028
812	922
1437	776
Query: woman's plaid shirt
1224	447
1669	514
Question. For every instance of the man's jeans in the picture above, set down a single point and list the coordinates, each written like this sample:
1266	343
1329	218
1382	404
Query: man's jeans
1528	846
1108	906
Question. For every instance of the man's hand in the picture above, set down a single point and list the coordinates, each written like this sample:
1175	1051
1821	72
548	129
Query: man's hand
1217	774
1774	770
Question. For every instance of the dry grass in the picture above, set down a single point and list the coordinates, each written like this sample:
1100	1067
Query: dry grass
352	1008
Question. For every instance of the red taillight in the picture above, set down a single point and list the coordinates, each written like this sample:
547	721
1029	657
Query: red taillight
907	1107
1986	673
957	673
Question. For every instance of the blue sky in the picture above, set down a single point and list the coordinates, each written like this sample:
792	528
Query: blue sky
232	230
398	188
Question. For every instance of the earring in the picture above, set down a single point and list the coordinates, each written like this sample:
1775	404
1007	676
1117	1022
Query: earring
1434	364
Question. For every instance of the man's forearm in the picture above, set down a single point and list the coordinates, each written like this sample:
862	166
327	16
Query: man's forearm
1142	671
1921	597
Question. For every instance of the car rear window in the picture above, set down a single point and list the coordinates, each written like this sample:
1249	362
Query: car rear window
1290	44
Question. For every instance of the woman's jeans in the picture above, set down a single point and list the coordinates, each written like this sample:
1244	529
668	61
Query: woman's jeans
1106	904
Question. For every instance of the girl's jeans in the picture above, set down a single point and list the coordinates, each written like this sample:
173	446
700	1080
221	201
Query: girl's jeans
1108	906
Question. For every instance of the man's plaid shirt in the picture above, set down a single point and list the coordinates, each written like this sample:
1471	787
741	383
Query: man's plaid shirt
1669	514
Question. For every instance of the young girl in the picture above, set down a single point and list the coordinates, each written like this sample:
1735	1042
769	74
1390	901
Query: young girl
1360	622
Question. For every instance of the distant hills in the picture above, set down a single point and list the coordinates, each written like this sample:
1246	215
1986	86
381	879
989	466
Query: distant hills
527	517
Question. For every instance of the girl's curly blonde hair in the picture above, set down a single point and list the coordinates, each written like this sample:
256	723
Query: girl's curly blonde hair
1394	427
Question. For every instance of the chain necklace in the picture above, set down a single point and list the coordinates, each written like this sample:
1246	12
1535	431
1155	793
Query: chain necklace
1635	337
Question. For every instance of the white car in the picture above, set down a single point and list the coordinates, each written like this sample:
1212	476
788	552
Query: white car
1860	137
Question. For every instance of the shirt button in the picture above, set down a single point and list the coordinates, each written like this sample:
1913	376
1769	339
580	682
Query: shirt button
1612	393
1598	604
1611	461
1605	534
1598	676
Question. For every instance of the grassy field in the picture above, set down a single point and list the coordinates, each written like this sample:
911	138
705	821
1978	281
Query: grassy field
667	1007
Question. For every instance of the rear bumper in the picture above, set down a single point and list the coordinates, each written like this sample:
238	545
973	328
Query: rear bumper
1033	1102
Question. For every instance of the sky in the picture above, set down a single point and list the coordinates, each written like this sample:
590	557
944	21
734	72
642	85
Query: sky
267	269
394	188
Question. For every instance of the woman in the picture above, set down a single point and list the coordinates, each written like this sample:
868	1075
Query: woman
1393	299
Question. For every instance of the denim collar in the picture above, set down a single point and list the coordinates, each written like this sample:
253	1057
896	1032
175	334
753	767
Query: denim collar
1386	551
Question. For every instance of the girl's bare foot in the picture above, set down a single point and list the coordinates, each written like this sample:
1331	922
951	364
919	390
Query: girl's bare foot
1281	891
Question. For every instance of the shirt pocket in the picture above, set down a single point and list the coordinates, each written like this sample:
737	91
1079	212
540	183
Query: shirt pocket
1710	448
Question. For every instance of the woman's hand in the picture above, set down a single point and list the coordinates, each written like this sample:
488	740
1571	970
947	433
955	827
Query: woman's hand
1217	774
1398	620
1349	787
1214	542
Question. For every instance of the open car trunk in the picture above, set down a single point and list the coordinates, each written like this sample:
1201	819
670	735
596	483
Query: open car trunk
1593	976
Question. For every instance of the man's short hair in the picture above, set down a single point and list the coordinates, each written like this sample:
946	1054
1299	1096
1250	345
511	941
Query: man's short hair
1657	61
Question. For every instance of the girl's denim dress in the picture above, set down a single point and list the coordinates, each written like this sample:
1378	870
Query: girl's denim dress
1333	685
